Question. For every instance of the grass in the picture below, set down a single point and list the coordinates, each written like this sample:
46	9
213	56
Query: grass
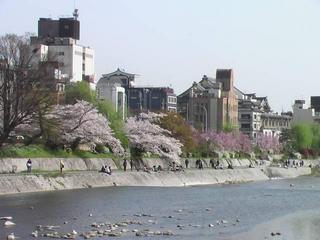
38	151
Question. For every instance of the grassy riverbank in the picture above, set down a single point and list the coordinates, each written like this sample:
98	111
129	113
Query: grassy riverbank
40	151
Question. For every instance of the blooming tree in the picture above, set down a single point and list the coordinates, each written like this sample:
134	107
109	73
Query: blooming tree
78	123
150	137
233	141
266	143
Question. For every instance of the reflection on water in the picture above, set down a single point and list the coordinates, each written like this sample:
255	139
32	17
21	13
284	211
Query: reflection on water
252	204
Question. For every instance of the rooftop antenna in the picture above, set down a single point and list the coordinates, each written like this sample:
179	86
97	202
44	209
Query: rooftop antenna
75	14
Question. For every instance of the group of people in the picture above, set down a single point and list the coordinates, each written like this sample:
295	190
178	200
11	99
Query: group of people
293	163
106	169
125	164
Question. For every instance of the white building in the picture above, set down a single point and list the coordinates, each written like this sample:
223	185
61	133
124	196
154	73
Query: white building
77	61
113	93
301	114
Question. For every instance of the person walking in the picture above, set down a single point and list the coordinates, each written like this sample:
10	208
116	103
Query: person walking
29	165
125	165
61	166
186	162
131	164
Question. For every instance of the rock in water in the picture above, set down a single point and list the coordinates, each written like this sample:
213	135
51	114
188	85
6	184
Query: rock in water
6	218
35	234
9	223
11	236
211	225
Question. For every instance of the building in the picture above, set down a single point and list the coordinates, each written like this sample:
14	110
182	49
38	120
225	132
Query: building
315	104
301	114
274	124
153	99
211	103
57	42
250	110
256	116
138	99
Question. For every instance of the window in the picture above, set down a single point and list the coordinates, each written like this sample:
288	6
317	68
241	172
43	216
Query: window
60	53
255	126
245	116
172	100
245	125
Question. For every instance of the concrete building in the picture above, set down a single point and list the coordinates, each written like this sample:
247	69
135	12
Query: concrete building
210	104
315	104
274	124
301	114
139	99
153	99
250	109
256	116
57	42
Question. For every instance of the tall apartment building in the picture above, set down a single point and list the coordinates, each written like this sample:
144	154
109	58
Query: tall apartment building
211	103
57	42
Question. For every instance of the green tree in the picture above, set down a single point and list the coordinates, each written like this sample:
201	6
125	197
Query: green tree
80	91
180	130
302	136
116	122
228	127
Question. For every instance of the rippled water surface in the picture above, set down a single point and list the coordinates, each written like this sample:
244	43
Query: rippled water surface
193	207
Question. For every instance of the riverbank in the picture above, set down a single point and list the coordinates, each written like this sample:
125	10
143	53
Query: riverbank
24	183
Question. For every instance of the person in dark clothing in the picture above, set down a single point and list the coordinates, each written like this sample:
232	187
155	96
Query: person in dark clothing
218	164
200	164
131	164
125	165
197	163
103	169
212	163
186	162
29	165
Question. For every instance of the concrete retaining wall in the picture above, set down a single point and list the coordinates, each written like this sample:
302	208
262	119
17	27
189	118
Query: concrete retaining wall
10	184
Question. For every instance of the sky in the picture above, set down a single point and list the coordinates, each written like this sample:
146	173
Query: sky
272	45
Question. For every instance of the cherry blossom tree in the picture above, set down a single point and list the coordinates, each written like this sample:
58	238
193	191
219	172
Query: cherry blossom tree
266	143
150	137
78	123
233	141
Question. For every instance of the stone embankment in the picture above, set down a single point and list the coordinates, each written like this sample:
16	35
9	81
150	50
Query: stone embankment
88	175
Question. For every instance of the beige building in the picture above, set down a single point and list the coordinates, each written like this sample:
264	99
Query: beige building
211	104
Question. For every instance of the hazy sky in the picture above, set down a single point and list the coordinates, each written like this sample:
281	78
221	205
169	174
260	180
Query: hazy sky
272	45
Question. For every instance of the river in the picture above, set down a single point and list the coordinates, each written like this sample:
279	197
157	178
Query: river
248	211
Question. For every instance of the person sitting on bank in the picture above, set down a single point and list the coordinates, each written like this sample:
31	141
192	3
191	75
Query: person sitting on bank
103	169
108	170
159	168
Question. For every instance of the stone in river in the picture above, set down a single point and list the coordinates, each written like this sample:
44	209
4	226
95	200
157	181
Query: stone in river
9	223
35	234
6	218
211	225
11	236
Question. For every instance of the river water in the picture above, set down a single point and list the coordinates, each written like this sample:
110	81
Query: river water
282	205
